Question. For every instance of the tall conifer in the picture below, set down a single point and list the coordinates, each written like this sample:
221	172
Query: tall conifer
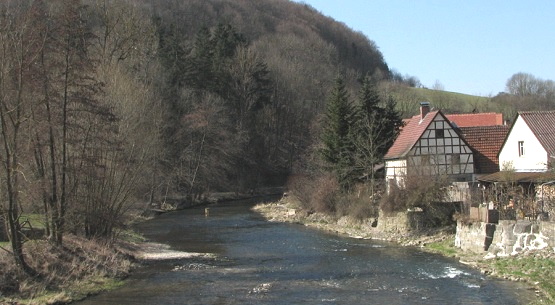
337	146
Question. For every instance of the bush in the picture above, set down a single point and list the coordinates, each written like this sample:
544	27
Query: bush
323	194
360	203
326	194
315	193
395	201
428	196
301	188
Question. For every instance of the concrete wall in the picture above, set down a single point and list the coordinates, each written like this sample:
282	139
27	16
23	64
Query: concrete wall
509	237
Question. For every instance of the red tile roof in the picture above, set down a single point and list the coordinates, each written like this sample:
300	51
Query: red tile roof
476	119
542	124
486	141
409	135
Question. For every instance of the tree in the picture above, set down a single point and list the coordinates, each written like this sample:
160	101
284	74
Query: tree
21	39
374	129
337	145
124	46
522	84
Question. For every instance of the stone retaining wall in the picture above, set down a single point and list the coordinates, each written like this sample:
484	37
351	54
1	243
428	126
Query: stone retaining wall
400	222
509	237
475	237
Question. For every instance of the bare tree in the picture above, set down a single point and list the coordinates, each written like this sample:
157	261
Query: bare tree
20	50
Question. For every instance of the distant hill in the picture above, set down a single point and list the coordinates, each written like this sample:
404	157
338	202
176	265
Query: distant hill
408	99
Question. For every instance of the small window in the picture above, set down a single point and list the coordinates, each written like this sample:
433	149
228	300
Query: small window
455	159
440	133
520	148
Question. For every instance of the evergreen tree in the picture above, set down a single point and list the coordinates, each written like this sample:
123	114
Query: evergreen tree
337	145
373	130
394	123
369	99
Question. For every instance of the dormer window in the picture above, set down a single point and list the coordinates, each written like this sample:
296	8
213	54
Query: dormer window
520	148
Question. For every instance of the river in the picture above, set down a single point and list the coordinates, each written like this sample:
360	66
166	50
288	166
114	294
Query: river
259	262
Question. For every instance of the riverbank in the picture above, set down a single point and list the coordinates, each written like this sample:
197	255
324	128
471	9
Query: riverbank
85	267
82	268
536	269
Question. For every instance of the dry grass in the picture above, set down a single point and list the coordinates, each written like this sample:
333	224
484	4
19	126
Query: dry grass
79	268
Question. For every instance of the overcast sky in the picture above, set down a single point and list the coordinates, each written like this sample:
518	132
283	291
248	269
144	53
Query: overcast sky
470	46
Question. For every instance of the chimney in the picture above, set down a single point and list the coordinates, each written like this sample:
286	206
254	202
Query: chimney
424	109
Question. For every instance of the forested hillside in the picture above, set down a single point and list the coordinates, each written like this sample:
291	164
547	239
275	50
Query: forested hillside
106	104
268	65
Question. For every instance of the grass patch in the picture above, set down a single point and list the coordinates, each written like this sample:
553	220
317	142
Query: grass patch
131	236
445	247
35	220
540	271
450	102
77	291
81	268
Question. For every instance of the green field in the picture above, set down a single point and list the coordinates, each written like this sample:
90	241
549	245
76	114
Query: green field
408	100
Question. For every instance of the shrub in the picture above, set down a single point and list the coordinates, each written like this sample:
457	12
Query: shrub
322	193
326	193
315	193
301	188
360	203
395	200
428	196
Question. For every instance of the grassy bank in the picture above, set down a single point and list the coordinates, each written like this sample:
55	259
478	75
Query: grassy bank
536	269
80	268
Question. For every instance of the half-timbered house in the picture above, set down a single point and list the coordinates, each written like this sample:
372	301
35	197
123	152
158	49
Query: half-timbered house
429	145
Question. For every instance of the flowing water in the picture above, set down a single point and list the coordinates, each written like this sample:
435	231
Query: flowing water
258	262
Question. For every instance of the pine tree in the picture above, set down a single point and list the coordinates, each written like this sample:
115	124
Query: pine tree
373	130
394	123
337	145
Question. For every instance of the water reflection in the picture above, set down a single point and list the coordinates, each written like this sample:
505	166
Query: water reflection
258	262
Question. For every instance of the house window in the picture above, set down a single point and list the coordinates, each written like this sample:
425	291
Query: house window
520	148
440	133
455	159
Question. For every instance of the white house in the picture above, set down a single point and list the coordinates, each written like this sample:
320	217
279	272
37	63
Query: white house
429	145
530	144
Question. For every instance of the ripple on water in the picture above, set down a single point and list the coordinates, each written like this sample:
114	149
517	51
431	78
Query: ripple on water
448	272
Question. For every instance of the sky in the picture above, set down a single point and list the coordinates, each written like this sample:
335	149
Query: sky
471	46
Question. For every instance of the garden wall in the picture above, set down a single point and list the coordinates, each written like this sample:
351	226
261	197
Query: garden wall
509	237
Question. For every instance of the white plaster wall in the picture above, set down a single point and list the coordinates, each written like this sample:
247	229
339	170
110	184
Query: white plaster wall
395	170
535	156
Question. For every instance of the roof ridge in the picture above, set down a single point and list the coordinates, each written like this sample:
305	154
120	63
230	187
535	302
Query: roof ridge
485	126
536	111
473	113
